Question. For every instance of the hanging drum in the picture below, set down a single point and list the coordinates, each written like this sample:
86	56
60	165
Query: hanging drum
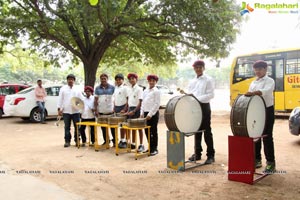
248	116
183	114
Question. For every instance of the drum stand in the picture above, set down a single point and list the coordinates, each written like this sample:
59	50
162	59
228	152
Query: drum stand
176	150
241	160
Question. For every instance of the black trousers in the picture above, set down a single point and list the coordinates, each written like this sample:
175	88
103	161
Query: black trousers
153	130
82	130
208	137
268	140
112	130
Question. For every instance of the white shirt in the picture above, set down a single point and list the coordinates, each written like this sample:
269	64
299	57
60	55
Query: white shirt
88	106
151	101
64	99
120	95
134	95
266	85
202	88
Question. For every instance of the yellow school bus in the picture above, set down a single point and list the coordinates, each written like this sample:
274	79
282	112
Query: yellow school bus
283	67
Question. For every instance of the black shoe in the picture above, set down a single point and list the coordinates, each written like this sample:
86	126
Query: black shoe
154	153
195	157
209	160
67	144
83	144
122	145
270	168
132	146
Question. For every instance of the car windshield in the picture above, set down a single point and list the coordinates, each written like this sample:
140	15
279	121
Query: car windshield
26	90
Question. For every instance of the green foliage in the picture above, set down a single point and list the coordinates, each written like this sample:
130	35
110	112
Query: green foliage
121	32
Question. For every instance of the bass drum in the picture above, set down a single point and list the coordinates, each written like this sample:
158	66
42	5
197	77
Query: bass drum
183	114
248	116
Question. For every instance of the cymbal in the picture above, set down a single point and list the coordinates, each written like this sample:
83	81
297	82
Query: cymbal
77	103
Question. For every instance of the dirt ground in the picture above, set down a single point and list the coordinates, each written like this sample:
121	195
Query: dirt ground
33	163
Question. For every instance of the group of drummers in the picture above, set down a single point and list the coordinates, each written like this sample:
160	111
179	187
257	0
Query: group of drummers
107	99
133	102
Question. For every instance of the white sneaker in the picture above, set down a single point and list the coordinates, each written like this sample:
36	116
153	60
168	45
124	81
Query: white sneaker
141	148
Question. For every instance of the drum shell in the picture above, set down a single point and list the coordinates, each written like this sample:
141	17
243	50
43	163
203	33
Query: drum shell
170	118
116	120
137	123
103	119
238	116
169	113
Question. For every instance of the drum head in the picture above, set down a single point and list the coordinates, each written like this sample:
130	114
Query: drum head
256	117
188	114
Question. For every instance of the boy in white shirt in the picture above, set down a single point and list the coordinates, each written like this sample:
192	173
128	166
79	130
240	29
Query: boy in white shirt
134	104
120	103
88	115
150	110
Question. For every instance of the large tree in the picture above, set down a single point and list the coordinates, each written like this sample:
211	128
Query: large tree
113	31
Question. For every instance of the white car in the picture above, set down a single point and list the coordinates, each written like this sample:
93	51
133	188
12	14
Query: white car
165	95
23	104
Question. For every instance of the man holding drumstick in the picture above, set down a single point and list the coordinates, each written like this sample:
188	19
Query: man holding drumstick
264	86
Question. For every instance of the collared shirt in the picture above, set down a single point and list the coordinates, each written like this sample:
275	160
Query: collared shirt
151	101
134	95
40	93
64	99
105	98
120	95
202	88
88	106
266	85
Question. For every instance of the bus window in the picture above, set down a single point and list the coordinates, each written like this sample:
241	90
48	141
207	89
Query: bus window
242	72
292	66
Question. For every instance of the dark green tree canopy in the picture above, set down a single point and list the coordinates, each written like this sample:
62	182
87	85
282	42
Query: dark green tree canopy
152	32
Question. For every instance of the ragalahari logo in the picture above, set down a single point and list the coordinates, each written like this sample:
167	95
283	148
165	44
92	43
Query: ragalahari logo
245	8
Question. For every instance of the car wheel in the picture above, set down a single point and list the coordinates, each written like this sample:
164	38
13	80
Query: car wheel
1	113
35	115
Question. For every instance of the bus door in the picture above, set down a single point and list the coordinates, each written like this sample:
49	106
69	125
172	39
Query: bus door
275	71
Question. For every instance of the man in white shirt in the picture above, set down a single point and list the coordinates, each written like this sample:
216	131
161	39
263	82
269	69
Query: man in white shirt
202	87
65	108
264	86
88	115
150	110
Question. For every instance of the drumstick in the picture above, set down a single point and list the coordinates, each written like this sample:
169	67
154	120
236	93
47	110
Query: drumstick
181	91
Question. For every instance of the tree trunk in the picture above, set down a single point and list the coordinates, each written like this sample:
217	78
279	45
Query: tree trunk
90	71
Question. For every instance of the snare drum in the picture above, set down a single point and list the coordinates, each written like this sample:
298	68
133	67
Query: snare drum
103	119
248	116
137	123
183	114
116	120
